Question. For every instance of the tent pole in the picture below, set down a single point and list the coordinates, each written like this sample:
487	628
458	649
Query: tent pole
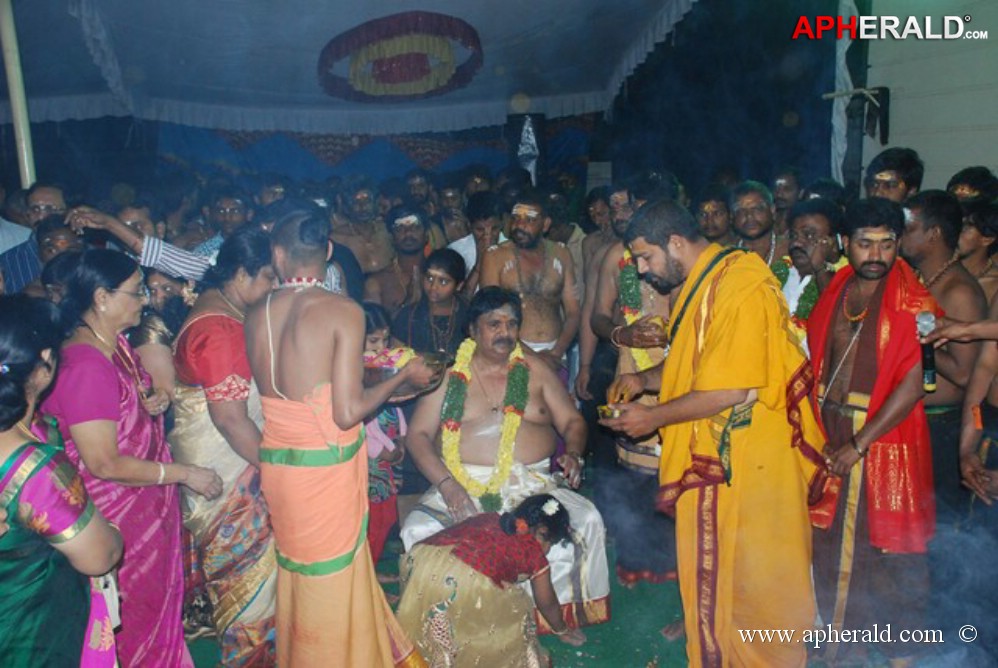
15	88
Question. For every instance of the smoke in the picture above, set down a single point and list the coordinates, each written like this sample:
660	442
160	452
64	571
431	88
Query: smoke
962	563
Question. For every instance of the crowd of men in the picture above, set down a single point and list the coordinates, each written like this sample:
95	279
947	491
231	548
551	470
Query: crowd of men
772	436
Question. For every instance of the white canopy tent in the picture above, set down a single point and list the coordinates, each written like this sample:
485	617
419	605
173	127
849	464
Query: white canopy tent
254	64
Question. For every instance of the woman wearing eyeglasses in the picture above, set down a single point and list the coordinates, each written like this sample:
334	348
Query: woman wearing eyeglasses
113	429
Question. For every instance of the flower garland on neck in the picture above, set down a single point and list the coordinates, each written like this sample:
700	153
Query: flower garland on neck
809	296
452	412
629	297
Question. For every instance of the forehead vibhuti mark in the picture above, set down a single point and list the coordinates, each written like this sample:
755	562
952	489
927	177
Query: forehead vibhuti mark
526	211
877	236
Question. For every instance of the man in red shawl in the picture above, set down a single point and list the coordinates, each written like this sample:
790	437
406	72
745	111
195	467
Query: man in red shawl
878	513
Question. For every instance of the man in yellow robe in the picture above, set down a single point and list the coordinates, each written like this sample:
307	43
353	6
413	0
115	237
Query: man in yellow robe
740	445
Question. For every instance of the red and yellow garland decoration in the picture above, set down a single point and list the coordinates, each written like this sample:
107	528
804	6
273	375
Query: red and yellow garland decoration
452	412
629	298
407	56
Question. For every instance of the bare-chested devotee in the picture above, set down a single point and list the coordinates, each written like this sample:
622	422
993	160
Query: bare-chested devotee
356	225
485	439
631	314
597	359
541	273
933	220
978	244
305	346
398	284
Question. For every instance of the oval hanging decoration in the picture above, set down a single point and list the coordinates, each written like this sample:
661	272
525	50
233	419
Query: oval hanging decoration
401	57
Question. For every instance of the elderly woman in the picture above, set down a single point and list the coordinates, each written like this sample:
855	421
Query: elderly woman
52	539
111	421
218	419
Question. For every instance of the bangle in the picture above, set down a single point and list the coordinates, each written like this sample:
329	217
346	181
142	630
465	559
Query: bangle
444	479
563	631
162	474
578	457
613	336
855	446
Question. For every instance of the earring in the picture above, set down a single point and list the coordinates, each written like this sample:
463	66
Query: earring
102	308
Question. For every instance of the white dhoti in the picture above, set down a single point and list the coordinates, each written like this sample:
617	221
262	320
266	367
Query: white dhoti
579	570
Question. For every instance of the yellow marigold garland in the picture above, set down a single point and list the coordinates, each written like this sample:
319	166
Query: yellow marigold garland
452	411
629	297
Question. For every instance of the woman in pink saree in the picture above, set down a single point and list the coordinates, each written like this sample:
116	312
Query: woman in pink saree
113	429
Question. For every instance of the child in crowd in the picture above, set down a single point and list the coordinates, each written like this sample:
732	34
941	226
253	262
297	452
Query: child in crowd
384	441
460	599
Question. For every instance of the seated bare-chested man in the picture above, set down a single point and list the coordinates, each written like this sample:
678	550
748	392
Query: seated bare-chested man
542	273
356	225
464	439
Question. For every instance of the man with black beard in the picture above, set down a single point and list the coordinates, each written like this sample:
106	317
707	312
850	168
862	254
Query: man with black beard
399	283
542	273
755	221
356	226
739	441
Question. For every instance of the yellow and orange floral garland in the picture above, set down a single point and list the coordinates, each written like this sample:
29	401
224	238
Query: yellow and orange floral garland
629	297
452	412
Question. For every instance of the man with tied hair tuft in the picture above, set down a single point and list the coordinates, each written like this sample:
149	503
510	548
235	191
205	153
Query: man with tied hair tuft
304	346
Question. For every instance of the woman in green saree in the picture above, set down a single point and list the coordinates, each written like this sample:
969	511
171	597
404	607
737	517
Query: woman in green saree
51	614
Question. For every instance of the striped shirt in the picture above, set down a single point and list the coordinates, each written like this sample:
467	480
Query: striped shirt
169	259
21	265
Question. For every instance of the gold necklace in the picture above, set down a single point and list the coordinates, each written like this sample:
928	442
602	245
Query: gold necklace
488	399
988	267
27	432
946	267
131	367
99	337
240	315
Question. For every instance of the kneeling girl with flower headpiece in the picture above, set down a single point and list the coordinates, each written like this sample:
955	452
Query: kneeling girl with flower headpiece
460	599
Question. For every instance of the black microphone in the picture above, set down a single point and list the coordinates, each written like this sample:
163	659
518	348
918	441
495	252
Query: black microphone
925	322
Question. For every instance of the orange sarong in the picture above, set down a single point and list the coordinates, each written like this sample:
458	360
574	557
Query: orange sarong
330	609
